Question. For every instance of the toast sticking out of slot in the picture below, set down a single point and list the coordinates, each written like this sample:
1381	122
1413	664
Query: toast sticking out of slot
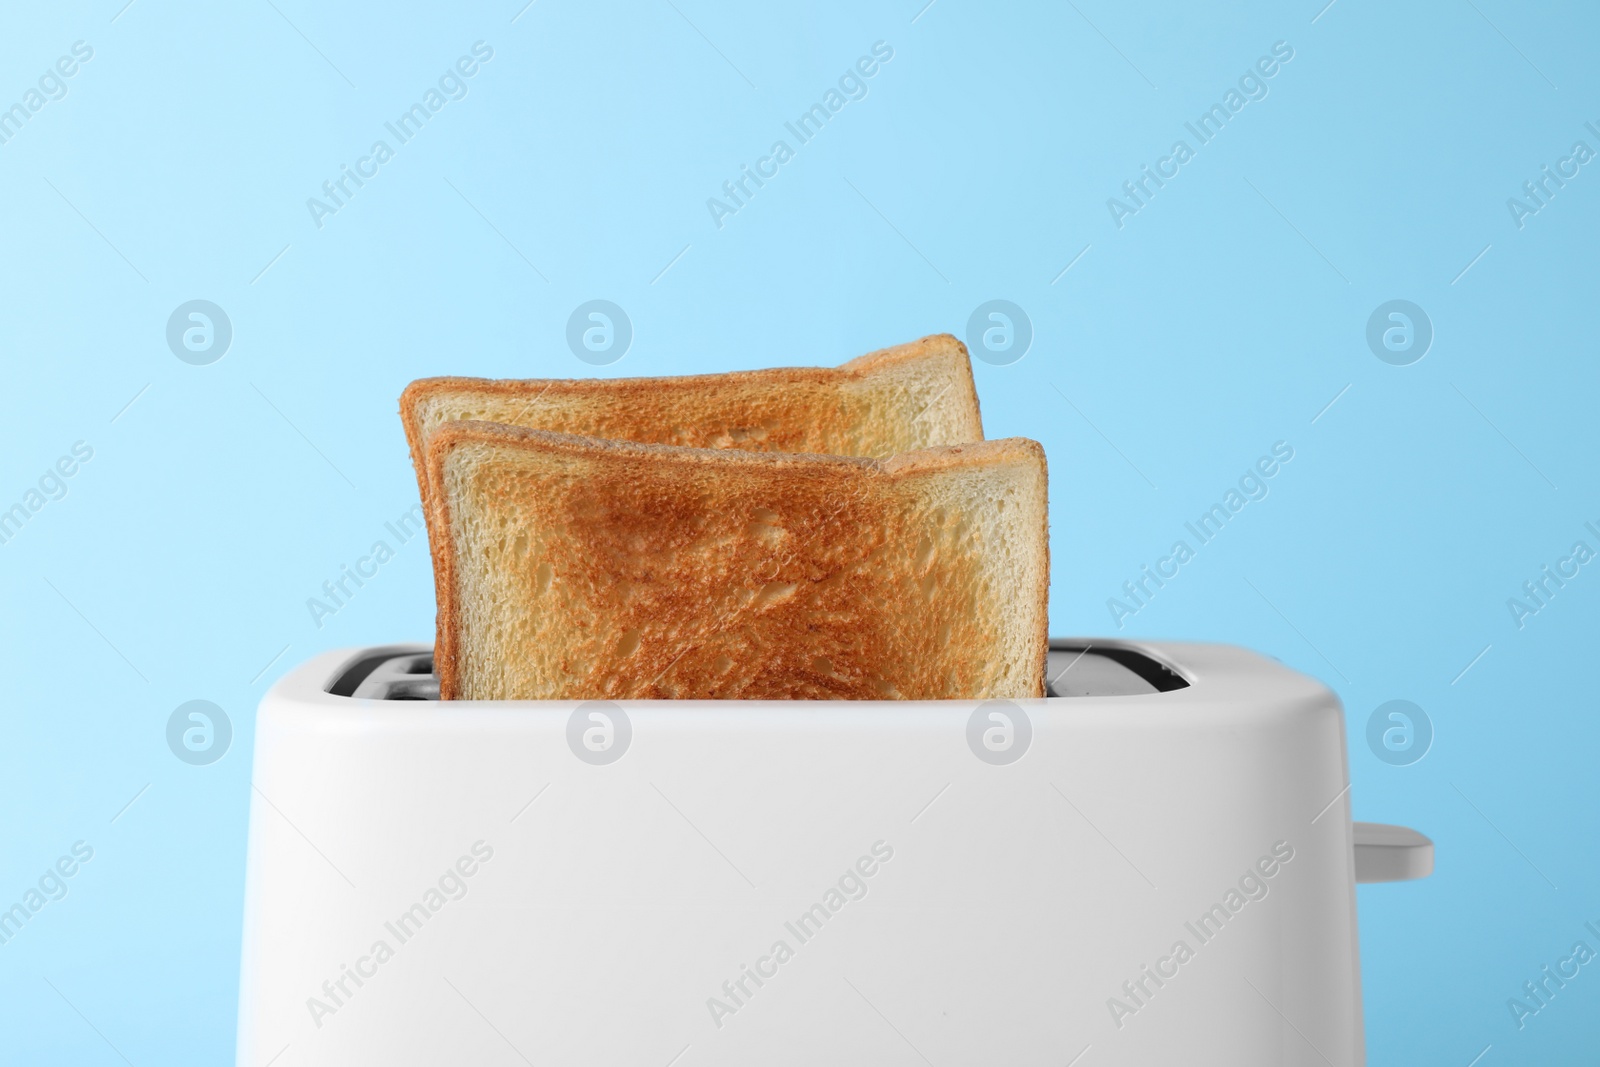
894	400
576	568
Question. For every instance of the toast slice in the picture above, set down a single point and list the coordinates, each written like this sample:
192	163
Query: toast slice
894	400
577	568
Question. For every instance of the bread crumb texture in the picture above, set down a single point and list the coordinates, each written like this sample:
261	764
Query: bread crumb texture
584	569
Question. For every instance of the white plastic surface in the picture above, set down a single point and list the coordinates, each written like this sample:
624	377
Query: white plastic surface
1391	853
620	897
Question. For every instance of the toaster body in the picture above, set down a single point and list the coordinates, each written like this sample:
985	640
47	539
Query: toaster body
1156	865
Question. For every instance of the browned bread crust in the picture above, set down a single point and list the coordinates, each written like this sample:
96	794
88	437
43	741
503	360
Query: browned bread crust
579	568
894	400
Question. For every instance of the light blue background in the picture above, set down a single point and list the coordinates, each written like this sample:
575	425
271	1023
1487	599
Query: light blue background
1222	318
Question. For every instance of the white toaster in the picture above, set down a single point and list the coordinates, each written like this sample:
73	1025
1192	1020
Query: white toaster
1155	864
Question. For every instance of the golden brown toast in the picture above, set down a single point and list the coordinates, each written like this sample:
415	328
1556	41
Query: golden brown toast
894	400
575	568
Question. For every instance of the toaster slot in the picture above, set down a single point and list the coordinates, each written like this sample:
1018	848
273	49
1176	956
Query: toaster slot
1073	669
387	674
1079	669
407	677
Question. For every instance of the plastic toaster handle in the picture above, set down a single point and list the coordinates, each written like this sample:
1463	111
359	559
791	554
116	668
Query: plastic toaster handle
1391	853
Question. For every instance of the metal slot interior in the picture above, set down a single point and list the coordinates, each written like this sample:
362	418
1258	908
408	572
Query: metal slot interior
1077	669
402	677
1073	669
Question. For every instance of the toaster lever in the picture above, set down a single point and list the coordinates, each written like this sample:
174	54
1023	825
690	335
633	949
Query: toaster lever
1391	853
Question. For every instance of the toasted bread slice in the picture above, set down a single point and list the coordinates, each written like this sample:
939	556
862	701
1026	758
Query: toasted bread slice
578	568
894	400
